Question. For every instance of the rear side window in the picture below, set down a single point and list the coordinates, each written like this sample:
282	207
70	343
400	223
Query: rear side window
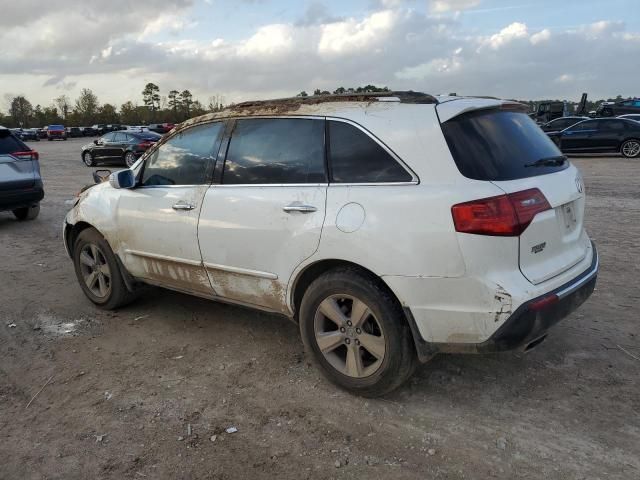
183	160
275	151
612	125
355	157
499	145
10	144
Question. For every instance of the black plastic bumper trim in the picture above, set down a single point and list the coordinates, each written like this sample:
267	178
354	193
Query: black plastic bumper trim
525	325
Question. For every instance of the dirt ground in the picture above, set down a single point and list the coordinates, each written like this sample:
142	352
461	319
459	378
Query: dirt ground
125	388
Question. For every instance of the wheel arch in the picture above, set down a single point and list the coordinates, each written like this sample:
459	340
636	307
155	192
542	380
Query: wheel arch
310	272
71	232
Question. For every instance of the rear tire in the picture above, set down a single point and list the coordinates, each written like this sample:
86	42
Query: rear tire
98	271
27	213
367	344
630	148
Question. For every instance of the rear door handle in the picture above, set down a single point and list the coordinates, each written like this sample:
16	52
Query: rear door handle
297	207
181	205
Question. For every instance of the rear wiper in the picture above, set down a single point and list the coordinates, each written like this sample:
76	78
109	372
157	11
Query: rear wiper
548	162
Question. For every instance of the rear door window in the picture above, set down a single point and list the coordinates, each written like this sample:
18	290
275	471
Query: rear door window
275	151
183	159
499	145
355	157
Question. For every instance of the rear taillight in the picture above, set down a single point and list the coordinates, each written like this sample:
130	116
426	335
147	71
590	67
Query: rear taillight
28	155
505	215
145	144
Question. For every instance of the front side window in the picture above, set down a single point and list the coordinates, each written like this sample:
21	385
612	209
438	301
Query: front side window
275	151
184	158
355	157
108	137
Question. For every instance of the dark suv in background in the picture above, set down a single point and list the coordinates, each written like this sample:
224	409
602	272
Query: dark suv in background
613	109
20	182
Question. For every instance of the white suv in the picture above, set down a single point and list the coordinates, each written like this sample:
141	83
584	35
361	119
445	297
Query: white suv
390	227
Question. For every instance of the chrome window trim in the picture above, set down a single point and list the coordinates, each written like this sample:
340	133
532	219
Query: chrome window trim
414	177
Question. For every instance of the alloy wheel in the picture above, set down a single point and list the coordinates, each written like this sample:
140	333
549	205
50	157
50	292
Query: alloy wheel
349	336
631	148
129	159
86	157
95	270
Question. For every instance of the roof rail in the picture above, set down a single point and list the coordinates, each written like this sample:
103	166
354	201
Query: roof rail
404	97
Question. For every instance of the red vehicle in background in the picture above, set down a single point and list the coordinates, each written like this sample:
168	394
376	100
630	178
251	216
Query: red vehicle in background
56	132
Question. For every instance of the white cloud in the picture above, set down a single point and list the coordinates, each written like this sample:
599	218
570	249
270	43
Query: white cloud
351	35
396	46
441	6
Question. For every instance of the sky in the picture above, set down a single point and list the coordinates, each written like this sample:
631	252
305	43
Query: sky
257	49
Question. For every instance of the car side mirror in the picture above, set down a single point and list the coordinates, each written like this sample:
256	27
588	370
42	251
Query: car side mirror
100	176
96	141
122	179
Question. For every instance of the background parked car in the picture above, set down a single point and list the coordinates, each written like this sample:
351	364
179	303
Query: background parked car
613	109
600	135
561	123
161	128
74	132
122	145
20	182
56	132
42	132
100	128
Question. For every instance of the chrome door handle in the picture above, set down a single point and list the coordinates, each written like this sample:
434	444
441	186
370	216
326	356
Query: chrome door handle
297	207
183	206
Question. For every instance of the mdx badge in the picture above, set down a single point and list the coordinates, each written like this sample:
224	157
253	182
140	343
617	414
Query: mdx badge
579	185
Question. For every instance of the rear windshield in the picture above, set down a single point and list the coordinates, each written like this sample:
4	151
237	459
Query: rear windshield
56	127
499	145
148	136
10	144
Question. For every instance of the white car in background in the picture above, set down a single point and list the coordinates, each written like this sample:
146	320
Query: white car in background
391	227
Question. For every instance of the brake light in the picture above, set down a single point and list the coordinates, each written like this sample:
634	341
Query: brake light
28	155
504	215
145	144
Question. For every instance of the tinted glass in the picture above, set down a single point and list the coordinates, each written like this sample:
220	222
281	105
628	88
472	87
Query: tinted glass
355	157
108	137
282	150
611	125
586	125
499	145
10	144
184	158
120	137
147	136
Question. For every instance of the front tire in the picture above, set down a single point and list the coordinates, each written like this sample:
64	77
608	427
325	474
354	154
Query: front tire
88	159
98	271
27	213
356	332
630	149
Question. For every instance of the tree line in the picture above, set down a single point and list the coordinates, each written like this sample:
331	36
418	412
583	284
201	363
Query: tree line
87	110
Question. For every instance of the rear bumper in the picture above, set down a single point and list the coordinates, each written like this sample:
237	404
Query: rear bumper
529	323
12	199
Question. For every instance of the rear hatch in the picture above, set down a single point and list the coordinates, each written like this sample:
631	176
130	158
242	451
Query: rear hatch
16	163
505	147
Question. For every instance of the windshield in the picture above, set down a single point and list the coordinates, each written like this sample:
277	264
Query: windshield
499	145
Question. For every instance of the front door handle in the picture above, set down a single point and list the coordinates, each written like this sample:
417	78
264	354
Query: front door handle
183	206
298	207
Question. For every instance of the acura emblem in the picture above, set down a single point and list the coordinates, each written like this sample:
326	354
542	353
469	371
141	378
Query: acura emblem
579	185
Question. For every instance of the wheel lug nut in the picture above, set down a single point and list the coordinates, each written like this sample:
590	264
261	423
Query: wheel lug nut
342	329
349	322
357	342
347	341
358	331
